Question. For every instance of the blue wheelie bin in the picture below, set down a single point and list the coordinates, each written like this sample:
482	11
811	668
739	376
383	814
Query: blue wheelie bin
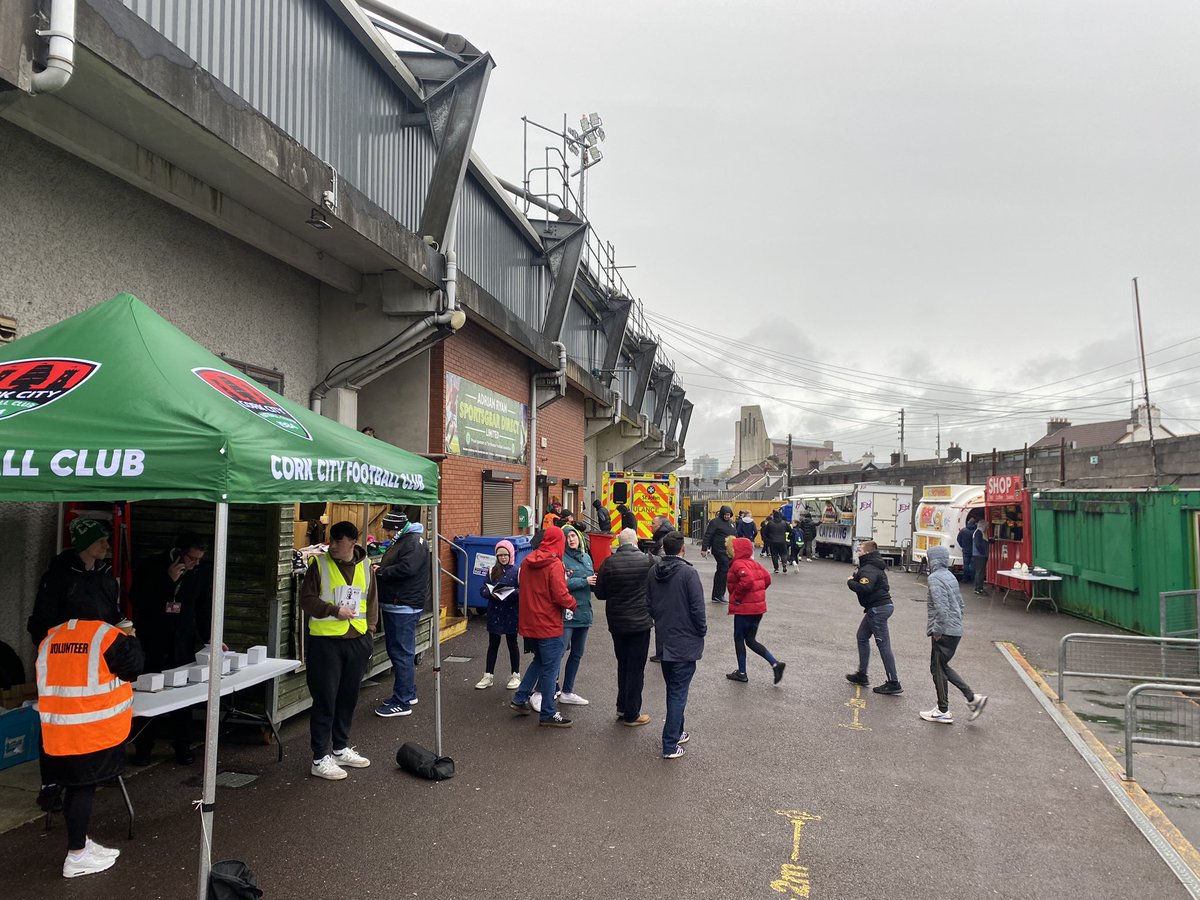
477	559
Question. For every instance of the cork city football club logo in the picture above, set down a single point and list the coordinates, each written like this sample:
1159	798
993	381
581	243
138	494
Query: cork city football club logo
252	399
29	384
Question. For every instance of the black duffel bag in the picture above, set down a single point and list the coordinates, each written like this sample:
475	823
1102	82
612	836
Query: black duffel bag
416	760
231	879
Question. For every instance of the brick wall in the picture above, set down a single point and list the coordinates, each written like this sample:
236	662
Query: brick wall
561	424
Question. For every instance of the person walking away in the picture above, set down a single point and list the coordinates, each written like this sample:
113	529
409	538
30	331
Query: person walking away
774	535
765	549
171	597
85	704
870	583
501	592
403	577
808	534
621	584
720	528
340	597
603	518
966	541
675	597
748	583
980	551
628	519
745	526
79	583
543	597
945	629
795	542
581	576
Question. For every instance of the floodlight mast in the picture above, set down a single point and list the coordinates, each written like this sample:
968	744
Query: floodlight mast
583	143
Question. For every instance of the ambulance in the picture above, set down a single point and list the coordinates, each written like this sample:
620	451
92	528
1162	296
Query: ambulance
646	494
941	514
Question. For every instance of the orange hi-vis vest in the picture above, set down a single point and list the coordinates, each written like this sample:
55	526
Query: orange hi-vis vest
83	706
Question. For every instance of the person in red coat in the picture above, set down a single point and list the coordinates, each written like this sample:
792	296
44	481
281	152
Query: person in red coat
542	600
748	583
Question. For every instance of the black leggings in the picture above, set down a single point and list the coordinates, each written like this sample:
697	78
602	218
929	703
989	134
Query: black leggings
77	810
778	553
514	655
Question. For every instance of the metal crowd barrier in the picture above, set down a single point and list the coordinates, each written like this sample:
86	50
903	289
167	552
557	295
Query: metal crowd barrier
1179	714
1127	657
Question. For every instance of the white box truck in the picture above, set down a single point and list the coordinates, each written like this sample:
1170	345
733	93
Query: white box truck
849	513
941	514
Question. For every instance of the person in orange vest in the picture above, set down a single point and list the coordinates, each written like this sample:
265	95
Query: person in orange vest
85	703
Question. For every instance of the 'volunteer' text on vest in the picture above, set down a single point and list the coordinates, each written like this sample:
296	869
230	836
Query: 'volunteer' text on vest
334	590
83	706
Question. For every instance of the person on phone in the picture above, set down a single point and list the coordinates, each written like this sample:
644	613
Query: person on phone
171	596
403	577
79	583
339	596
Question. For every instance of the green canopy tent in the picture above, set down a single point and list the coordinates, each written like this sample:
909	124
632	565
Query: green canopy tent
118	403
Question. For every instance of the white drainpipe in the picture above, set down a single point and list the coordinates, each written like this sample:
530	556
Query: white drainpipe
61	60
533	407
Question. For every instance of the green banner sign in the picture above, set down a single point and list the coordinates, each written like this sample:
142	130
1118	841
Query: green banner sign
484	424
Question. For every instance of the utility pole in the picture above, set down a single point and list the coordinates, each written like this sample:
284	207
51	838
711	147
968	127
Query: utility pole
938	418
1137	305
789	466
902	435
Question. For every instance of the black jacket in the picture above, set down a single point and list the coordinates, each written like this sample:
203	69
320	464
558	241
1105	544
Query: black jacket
745	529
808	528
774	531
603	519
714	537
676	600
870	581
628	519
69	591
170	615
661	533
621	584
403	573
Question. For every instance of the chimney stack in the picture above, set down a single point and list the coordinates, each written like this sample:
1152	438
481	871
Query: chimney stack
1056	425
954	452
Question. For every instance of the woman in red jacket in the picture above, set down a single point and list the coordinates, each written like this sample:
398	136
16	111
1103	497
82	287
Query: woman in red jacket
748	583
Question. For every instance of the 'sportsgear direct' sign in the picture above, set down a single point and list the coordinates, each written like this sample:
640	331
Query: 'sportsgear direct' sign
482	423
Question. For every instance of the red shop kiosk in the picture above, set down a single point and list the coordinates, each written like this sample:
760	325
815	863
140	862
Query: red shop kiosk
1007	517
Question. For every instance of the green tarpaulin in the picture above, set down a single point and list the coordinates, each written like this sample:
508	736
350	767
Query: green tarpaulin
118	403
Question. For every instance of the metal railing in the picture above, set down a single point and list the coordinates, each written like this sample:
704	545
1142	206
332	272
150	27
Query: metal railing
1179	613
453	546
1177	712
1126	657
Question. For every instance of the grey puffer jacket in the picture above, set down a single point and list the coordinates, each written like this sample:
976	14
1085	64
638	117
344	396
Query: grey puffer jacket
944	597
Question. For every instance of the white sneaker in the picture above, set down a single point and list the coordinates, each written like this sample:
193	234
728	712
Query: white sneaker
936	715
514	681
327	768
535	701
86	863
350	757
976	706
486	681
101	850
572	699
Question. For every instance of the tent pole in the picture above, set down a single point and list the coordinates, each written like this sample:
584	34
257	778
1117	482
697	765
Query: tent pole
212	721
436	592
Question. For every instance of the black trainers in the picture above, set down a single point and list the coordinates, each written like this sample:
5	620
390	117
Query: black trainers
555	721
737	676
858	678
779	667
521	709
718	599
49	798
889	687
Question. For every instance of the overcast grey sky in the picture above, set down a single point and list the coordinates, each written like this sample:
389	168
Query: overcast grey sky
838	209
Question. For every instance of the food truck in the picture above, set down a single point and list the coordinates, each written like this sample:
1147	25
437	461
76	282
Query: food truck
1007	519
847	514
941	514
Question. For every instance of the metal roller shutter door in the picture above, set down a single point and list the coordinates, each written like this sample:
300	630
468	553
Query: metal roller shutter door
497	507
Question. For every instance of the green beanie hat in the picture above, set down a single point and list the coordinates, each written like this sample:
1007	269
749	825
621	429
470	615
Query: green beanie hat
85	532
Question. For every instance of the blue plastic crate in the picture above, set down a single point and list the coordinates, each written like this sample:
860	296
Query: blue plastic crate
20	733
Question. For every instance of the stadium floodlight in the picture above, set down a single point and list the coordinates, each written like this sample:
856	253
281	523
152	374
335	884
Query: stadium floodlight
594	120
600	133
584	123
574	134
591	138
573	147
596	154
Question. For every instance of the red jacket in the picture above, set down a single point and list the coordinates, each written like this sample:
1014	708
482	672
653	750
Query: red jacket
542	588
747	580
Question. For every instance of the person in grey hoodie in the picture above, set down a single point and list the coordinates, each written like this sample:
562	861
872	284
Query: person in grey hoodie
945	629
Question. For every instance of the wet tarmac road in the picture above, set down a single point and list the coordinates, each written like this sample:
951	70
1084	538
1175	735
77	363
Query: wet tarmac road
888	805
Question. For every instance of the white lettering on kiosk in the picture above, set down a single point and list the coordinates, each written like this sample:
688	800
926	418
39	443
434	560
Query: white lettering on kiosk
27	467
131	463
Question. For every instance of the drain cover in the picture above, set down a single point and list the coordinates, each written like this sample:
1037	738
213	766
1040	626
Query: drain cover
456	659
234	779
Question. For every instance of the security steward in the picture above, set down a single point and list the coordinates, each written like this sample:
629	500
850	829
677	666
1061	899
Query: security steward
85	703
339	595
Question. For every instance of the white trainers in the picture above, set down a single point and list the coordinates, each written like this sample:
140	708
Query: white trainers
535	701
936	715
101	850
327	768
486	681
86	863
514	681
350	757
571	699
976	706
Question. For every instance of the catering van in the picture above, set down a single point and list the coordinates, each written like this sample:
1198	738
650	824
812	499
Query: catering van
941	514
847	514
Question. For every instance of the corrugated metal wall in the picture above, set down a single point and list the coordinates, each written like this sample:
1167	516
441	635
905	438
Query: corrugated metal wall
649	402
496	256
579	334
294	62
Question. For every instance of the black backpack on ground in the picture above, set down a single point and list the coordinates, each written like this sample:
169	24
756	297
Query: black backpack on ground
416	760
231	879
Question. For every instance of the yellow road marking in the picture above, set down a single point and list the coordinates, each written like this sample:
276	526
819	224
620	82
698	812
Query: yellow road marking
793	879
856	704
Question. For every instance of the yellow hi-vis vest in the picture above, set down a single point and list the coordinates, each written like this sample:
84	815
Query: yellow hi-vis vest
333	590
